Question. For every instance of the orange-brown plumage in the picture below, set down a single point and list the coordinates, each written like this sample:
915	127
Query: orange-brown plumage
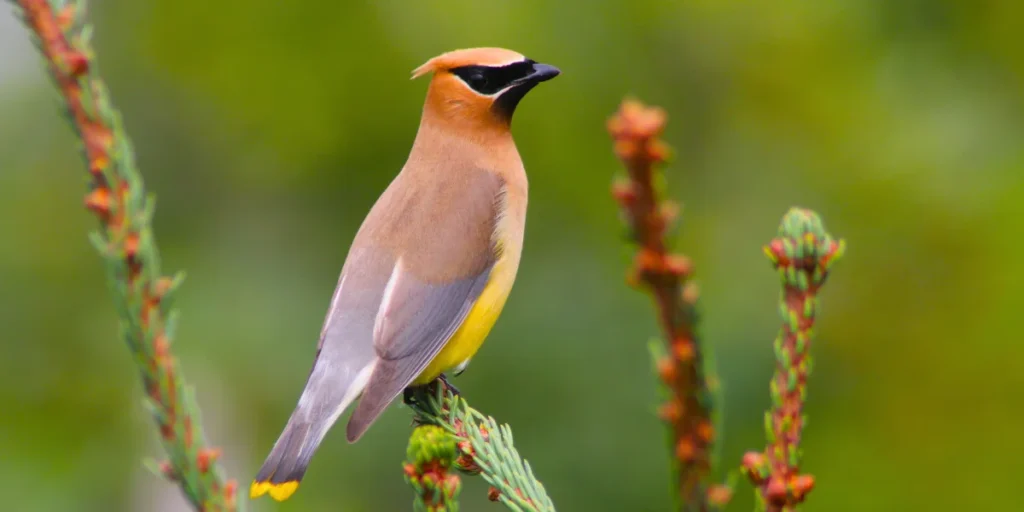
452	106
468	57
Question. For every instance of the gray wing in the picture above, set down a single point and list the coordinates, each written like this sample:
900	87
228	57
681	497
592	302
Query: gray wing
344	361
411	329
442	240
347	333
417	317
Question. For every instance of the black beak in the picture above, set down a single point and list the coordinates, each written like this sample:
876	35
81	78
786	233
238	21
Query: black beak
506	104
542	72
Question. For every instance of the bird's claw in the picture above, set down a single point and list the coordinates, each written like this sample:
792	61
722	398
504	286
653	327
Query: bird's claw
409	396
444	380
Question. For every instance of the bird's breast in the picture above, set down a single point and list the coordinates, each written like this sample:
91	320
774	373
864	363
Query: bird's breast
508	238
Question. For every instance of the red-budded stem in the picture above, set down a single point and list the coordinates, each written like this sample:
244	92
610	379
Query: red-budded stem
636	129
125	240
802	253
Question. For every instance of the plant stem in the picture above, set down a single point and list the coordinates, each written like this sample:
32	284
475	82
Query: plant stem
125	240
802	253
683	367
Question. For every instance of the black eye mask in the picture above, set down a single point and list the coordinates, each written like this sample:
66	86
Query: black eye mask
489	80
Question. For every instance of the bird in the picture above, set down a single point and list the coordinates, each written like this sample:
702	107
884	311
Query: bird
430	267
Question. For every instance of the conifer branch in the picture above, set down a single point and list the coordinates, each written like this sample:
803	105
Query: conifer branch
142	296
432	453
682	362
802	253
451	434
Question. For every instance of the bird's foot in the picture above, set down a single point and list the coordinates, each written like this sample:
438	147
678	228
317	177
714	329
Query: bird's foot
444	380
409	396
412	395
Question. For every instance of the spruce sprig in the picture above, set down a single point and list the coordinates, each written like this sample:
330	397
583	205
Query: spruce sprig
484	447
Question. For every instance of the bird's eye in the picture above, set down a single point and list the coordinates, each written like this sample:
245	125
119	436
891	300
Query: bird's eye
478	81
479	78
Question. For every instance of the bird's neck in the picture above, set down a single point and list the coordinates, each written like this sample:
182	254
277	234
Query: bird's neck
461	114
445	136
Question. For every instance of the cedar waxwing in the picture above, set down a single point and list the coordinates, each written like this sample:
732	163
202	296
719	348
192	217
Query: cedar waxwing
431	266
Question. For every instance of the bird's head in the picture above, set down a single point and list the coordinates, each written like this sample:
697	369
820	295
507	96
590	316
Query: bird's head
480	85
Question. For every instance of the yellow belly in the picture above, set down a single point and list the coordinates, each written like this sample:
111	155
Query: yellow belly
478	323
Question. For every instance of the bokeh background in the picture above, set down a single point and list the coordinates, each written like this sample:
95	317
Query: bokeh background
267	129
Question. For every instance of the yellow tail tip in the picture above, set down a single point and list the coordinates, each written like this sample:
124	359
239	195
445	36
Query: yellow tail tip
279	492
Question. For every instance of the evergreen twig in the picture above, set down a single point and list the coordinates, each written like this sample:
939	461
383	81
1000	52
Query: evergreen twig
684	365
802	253
451	434
125	240
432	453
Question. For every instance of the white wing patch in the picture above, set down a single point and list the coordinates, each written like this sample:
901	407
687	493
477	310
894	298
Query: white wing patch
385	302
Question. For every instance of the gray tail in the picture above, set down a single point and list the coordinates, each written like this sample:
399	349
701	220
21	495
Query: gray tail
283	470
291	454
323	400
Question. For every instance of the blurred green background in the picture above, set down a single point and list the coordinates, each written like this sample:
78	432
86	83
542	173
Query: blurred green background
267	129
